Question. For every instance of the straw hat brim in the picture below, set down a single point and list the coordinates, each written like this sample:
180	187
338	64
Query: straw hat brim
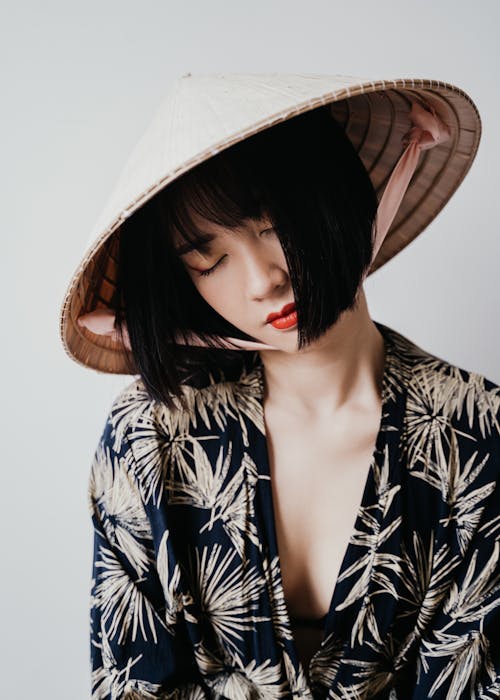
204	114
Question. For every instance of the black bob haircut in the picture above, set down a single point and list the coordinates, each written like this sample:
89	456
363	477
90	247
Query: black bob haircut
306	177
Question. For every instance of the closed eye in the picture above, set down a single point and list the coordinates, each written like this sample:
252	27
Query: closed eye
205	273
211	269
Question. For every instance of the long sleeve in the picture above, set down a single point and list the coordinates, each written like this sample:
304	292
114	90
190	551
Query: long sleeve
460	655
138	645
187	593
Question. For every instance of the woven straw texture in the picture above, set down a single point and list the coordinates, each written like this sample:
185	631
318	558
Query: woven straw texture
204	114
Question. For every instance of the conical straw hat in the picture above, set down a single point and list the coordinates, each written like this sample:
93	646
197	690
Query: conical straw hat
204	114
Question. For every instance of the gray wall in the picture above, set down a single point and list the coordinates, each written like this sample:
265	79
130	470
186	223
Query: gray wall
80	82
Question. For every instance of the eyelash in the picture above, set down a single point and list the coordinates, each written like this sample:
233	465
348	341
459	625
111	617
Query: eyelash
211	269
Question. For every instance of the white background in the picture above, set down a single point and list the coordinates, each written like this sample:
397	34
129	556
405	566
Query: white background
80	82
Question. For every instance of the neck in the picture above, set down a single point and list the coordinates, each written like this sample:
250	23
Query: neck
342	369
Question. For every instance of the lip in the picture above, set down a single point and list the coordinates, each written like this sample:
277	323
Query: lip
288	308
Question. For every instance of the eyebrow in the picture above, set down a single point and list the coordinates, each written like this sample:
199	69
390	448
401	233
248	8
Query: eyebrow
201	243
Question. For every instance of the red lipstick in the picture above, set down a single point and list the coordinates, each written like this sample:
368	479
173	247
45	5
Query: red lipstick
286	318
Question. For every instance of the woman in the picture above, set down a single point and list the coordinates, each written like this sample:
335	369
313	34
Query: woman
291	498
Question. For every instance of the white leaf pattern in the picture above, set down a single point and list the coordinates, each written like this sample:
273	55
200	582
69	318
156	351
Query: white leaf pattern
187	598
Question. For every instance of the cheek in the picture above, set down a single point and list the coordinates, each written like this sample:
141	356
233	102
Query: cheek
221	292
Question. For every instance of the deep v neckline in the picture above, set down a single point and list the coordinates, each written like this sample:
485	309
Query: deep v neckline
264	473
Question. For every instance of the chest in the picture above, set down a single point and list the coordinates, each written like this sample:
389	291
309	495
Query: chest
318	476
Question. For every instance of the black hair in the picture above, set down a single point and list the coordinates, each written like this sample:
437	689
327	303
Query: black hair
305	175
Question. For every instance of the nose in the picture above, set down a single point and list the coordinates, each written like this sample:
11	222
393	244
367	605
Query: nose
265	275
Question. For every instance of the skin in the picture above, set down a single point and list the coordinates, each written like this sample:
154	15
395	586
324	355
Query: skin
322	410
337	374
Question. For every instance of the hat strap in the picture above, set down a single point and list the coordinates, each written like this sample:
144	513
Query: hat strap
427	131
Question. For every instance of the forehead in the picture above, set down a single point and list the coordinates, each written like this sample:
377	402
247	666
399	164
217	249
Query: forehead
194	225
204	234
203	238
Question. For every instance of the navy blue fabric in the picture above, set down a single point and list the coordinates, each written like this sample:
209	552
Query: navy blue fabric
187	598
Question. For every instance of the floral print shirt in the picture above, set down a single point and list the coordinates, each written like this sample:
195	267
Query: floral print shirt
187	598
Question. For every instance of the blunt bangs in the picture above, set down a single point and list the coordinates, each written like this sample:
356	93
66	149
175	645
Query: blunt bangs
305	176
